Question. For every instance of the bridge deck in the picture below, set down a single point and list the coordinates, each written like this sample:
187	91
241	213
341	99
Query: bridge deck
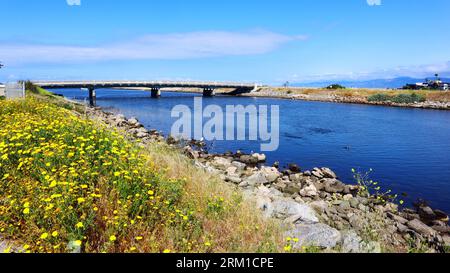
147	84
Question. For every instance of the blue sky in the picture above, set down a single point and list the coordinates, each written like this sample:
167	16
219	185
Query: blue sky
268	41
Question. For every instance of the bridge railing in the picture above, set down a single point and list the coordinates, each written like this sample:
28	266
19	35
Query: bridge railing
162	83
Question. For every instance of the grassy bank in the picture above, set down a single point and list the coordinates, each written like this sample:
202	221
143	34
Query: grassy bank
359	93
69	183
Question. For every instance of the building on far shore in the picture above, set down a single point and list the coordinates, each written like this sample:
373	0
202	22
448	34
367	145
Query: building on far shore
436	84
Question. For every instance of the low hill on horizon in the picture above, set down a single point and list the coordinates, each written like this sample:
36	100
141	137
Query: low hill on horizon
377	83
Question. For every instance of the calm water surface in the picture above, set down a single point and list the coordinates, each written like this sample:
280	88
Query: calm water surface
408	149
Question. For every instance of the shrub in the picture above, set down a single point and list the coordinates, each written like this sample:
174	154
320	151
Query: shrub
401	98
335	87
408	98
379	98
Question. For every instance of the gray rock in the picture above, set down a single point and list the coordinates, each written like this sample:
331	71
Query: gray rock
318	235
294	168
356	222
351	242
264	203
317	173
221	163
239	165
259	157
296	212
328	173
231	170
345	205
248	159
319	206
397	218
292	188
370	247
233	179
244	184
426	214
133	122
309	191
333	186
73	247
271	174
257	179
401	227
421	228
354	203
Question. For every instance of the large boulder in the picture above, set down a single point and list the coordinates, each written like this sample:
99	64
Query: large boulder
370	247
248	159
320	206
351	242
221	163
317	235
426	214
328	173
295	212
292	188
309	191
333	185
264	203
259	157
294	168
239	165
133	122
317	173
421	228
271	174
256	179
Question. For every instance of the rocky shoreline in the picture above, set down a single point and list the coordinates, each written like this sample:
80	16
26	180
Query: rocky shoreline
314	206
436	105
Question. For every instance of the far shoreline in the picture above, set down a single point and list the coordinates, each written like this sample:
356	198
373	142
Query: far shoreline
346	96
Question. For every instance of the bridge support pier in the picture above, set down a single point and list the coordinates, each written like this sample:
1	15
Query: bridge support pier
208	92
92	97
156	92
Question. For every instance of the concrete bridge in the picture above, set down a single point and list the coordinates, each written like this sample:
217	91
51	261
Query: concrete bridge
155	86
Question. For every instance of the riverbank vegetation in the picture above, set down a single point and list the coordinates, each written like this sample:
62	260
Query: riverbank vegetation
356	93
70	184
400	98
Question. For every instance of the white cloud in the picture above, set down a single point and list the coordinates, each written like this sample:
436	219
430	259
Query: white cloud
73	2
413	71
374	2
155	46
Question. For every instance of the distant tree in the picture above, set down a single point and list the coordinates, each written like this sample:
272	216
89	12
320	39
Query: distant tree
286	84
437	77
335	87
1	65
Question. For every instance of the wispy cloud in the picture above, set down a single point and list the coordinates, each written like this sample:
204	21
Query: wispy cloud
73	2
155	46
374	2
414	71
